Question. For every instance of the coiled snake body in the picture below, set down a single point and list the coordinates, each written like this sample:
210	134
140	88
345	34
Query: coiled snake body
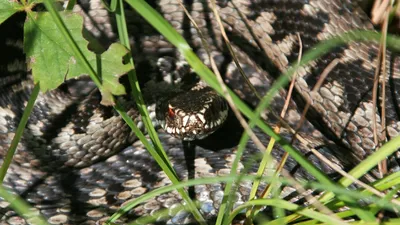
74	164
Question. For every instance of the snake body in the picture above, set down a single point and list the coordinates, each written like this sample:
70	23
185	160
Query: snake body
78	162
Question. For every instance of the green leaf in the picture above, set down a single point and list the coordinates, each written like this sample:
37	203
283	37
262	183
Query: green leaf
49	57
8	8
52	60
112	68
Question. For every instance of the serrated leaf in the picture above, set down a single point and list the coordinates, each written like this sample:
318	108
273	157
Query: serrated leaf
52	60
112	68
8	8
49	56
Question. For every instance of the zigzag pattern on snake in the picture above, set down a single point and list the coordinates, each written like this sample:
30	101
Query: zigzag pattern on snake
78	162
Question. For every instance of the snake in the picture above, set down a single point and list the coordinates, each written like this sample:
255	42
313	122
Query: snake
78	162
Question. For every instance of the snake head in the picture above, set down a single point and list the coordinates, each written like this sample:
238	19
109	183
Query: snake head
193	114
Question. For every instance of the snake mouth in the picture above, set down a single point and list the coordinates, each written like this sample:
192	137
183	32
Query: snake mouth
193	115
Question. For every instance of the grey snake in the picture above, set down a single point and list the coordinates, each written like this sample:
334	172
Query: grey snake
78	162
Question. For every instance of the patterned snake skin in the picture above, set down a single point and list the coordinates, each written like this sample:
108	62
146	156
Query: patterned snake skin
78	162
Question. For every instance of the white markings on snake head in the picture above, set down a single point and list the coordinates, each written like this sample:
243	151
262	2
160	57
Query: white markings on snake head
201	117
181	113
185	120
193	119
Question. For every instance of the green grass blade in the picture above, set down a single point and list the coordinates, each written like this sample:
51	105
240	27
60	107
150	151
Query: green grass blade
70	5
134	83
165	189
287	206
382	185
18	134
354	194
137	95
151	219
227	201
367	164
22	207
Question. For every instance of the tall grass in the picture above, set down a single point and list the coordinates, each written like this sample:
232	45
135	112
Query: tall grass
337	195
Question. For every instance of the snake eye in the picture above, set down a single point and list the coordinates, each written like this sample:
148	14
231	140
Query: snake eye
171	113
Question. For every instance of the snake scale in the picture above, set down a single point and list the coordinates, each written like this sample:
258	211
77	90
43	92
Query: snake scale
78	162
